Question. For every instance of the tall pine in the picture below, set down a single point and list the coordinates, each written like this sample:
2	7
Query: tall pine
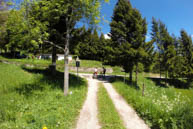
187	54
165	47
128	30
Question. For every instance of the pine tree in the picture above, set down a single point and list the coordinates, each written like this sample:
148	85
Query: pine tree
176	65
187	54
3	18
150	58
155	34
128	30
89	46
165	46
101	50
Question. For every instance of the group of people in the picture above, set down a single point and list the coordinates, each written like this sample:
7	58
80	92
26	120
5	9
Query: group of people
96	72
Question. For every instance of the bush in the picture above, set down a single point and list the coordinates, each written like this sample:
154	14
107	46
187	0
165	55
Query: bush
190	84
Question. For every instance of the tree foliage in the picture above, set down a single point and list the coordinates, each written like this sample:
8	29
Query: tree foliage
60	17
174	54
187	55
3	18
165	46
128	30
90	45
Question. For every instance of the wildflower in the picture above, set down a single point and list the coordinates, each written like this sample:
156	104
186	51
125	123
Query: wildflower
45	127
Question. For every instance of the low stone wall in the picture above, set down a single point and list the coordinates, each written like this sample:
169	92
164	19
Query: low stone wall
84	69
80	69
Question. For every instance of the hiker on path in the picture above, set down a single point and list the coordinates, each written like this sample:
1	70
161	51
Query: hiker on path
95	73
104	71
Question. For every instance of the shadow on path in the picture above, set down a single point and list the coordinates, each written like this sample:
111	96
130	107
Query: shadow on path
113	78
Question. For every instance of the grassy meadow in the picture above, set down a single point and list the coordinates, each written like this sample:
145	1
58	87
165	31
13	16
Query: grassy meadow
60	64
46	62
31	98
160	107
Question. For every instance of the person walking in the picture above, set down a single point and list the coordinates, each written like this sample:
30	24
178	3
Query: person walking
104	71
95	73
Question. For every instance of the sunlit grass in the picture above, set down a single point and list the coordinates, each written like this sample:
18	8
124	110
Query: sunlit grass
160	107
108	116
60	64
32	98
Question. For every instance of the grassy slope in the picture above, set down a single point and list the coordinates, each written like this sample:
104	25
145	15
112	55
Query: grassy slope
31	99
43	63
160	107
60	64
84	63
108	116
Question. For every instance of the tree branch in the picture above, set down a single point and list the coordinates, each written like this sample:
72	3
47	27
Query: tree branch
59	47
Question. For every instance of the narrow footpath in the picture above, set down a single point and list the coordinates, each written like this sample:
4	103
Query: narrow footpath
128	115
88	115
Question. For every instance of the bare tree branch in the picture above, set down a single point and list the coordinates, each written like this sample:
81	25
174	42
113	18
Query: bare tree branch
54	45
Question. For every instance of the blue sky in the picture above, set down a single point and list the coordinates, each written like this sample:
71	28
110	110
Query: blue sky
176	14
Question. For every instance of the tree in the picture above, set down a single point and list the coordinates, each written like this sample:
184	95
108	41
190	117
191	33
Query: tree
165	46
78	35
22	32
187	54
155	34
102	48
128	30
90	46
150	58
3	12
87	46
3	18
61	17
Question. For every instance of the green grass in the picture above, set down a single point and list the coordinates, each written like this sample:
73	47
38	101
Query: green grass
161	108
36	62
185	92
108	116
83	63
32	98
88	63
60	64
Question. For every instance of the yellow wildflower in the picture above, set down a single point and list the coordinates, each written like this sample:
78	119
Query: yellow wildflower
45	127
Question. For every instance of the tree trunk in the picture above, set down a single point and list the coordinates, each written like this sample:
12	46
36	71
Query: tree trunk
136	73
124	77
160	68
166	76
130	76
14	55
53	66
66	72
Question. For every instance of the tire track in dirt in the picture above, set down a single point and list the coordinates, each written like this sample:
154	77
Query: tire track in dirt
128	115
88	115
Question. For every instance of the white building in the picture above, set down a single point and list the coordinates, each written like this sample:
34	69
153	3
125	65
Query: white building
49	56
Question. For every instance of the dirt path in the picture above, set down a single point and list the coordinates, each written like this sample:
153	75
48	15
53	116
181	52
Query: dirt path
88	115
128	115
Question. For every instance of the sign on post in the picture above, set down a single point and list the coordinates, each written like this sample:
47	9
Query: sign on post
77	64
